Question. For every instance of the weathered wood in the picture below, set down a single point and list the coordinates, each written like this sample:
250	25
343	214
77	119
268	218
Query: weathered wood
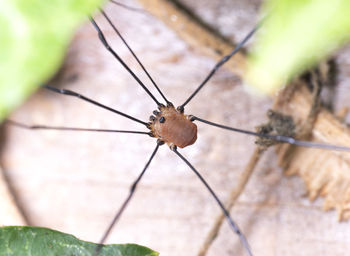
75	182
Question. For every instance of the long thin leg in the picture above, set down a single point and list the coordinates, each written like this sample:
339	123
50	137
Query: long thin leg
60	128
127	200
280	138
74	94
234	195
133	54
233	225
109	48
130	8
219	64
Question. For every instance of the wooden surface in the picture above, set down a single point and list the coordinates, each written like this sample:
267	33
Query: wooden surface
10	213
75	182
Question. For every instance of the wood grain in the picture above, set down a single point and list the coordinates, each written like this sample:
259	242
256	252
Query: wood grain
75	182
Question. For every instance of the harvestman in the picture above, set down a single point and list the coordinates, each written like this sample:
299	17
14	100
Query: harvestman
169	125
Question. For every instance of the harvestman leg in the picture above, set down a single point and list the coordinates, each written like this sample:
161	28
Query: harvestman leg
61	128
130	8
219	65
232	223
280	138
79	96
110	49
128	198
134	55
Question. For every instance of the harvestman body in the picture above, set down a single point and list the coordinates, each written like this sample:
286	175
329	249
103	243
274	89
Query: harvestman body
171	126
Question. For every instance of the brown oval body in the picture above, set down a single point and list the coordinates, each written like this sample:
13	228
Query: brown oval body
176	129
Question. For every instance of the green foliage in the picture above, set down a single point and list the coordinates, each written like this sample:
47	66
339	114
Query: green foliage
296	35
34	35
34	241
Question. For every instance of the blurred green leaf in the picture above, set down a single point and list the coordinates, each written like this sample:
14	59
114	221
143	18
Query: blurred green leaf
33	37
34	241
296	35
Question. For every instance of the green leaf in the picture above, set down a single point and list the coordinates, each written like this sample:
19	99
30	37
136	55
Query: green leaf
295	36
34	241
33	37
